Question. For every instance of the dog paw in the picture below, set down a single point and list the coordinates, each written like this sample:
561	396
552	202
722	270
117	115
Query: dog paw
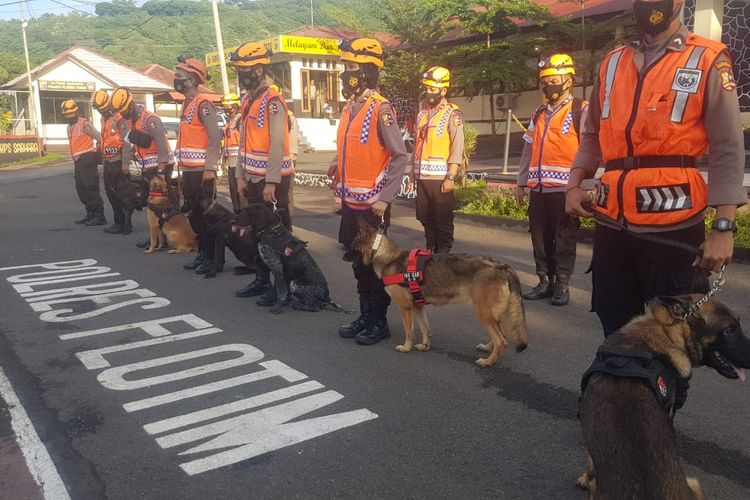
483	362
172	251
148	251
276	309
422	347
582	481
484	347
403	348
209	275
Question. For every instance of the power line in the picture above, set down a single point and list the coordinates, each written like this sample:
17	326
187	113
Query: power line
73	8
147	20
13	3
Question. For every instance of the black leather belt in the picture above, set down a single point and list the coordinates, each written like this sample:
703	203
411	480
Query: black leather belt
632	162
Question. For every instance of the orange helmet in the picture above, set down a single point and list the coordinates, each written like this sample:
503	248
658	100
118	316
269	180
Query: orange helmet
250	54
194	66
69	108
362	51
121	99
100	100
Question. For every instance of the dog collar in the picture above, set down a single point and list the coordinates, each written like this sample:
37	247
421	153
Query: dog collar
210	207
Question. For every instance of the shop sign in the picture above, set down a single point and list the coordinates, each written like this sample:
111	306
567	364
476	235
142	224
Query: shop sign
18	147
288	44
63	85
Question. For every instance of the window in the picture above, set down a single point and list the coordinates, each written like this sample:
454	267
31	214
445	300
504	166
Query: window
51	102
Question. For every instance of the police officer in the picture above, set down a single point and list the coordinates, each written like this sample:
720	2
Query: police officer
551	144
660	102
198	152
264	165
367	170
231	149
438	153
148	139
293	147
112	127
81	137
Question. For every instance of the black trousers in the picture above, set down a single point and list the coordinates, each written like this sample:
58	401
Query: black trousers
86	174
553	233
234	194
627	272
192	187
112	172
255	195
369	287
435	212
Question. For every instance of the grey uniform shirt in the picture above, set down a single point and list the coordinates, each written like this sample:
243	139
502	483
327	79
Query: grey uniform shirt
124	127
277	126
455	132
389	136
207	116
525	164
721	118
154	128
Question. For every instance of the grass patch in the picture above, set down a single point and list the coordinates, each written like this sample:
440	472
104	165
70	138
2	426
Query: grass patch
477	199
42	160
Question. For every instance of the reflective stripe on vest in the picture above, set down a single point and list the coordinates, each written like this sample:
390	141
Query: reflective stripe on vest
650	135
362	159
149	157
433	143
111	137
255	153
231	140
554	144
79	141
192	142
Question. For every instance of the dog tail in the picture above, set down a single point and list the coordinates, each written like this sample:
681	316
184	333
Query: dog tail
515	314
332	306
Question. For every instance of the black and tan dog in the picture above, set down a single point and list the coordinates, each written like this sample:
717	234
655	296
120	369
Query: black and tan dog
166	222
224	232
490	286
297	277
633	388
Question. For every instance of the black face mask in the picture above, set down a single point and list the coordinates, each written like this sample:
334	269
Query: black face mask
431	99
249	80
352	84
180	85
553	92
654	17
72	120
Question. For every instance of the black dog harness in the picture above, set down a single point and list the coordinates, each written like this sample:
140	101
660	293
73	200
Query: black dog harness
163	214
282	241
414	275
662	378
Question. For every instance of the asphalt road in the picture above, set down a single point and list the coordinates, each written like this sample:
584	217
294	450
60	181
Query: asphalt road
244	404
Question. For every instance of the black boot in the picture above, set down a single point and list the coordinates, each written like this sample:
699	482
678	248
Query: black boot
542	290
143	243
561	295
258	287
197	261
360	324
97	219
442	250
114	229
83	219
127	229
208	262
376	331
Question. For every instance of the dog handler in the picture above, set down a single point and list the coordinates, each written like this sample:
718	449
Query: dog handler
438	153
368	170
660	102
264	166
231	148
551	144
198	153
81	137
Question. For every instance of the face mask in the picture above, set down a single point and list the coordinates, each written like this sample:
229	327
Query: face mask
553	92
431	99
351	84
71	120
180	85
654	17
249	80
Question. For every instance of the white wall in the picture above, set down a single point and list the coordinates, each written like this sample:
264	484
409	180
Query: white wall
319	133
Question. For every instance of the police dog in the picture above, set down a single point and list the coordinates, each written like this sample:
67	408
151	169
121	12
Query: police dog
297	277
224	232
491	287
628	433
167	223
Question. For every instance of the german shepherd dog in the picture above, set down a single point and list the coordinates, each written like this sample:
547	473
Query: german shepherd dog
297	277
224	232
490	286
166	222
628	433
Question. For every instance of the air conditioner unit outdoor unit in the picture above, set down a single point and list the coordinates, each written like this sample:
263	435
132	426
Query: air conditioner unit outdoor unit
506	101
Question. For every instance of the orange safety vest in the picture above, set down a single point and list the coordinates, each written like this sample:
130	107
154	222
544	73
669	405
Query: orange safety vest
79	141
256	150
651	132
362	158
231	140
554	144
149	157
111	137
192	143
433	142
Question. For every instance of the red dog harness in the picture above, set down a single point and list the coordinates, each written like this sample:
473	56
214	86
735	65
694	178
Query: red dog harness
414	275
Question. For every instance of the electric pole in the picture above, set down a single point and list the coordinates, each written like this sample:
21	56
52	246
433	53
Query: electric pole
312	15
31	103
220	46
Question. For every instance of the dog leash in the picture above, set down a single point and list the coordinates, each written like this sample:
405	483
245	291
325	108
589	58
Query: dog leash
379	236
716	286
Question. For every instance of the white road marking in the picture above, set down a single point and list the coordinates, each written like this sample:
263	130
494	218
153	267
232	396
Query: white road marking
36	455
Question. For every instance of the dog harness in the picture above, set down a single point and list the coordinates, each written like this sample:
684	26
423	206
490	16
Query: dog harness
282	241
662	378
163	214
414	275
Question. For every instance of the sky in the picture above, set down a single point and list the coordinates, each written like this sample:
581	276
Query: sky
36	8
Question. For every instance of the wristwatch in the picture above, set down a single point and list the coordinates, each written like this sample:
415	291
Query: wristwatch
724	225
450	177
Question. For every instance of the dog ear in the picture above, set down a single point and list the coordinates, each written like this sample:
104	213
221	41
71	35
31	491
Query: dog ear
677	306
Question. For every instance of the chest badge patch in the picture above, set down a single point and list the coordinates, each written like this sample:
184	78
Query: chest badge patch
662	387
687	80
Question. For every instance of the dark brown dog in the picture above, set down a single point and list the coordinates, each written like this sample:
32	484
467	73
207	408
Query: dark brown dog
491	287
626	420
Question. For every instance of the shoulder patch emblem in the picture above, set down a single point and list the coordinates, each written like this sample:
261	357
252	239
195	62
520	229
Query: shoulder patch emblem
727	76
687	80
456	119
387	118
273	108
205	110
